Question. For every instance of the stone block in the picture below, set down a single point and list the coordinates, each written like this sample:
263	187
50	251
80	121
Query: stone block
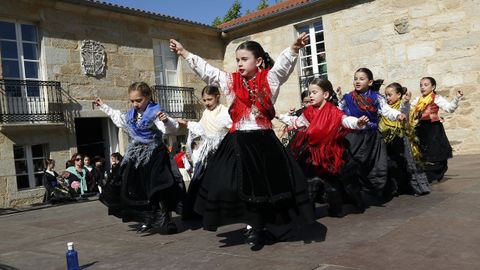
64	43
365	37
56	56
464	43
423	10
446	18
421	50
450	79
127	50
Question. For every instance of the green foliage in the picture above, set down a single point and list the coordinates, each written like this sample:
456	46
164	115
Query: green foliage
233	12
217	21
263	4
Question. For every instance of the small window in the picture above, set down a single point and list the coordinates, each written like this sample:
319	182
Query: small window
165	64
19	50
313	60
29	165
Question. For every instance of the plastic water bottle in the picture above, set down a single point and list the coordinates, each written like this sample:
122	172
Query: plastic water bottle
72	258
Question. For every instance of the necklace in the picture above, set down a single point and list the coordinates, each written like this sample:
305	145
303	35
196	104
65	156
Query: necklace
253	94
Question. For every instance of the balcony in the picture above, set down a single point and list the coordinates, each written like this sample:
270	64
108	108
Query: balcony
30	102
178	102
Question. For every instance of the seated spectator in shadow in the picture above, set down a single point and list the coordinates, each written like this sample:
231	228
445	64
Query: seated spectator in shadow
56	190
114	173
81	174
98	173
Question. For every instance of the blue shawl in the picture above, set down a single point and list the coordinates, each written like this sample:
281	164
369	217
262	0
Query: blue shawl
355	107
144	130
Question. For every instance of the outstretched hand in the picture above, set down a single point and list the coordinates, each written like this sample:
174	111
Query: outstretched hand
459	93
362	121
98	101
300	42
162	116
408	96
177	48
182	122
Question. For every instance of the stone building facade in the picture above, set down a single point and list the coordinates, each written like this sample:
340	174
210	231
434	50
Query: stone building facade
399	41
136	49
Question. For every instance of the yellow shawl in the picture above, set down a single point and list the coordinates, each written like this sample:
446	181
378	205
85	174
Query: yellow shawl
422	104
390	129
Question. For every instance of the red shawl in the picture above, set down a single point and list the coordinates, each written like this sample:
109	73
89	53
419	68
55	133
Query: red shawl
242	104
325	136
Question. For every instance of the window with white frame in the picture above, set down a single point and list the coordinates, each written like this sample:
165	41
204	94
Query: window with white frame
313	63
29	164
165	63
19	50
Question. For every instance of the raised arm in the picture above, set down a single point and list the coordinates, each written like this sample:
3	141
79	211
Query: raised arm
166	124
118	118
284	65
208	73
388	111
352	122
293	121
449	107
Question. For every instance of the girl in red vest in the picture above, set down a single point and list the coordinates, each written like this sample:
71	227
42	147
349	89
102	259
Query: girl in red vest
320	148
434	145
251	178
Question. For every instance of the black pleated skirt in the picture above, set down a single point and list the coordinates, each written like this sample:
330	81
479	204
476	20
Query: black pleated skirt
368	149
131	197
435	148
405	176
252	179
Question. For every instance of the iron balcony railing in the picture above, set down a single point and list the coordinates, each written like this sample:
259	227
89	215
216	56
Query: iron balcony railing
306	79
178	102
30	101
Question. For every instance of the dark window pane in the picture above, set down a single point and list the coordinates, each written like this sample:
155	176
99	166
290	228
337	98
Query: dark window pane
307	71
33	91
7	30
31	70
10	69
18	152
38	165
30	51
22	182
320	47
306	51
9	49
20	166
318	26
13	90
303	29
321	58
38	150
39	179
319	37
29	32
322	68
307	61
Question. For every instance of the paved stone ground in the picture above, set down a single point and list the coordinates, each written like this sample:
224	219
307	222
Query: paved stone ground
438	231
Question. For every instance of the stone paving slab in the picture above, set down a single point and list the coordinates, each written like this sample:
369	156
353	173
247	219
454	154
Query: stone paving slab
438	231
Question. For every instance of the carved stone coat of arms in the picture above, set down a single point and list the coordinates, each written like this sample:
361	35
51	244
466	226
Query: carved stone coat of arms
93	58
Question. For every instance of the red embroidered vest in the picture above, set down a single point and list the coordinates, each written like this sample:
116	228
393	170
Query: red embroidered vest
431	112
253	96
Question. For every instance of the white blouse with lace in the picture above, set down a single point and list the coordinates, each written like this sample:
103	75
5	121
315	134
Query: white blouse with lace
278	74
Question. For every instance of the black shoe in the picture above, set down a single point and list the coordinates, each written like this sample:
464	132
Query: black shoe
256	239
144	228
335	211
164	223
